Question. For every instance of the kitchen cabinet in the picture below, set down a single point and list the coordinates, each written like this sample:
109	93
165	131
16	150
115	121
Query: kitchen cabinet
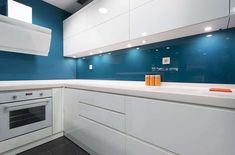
57	100
164	15
90	122
90	16
136	3
181	128
138	147
101	139
232	14
99	36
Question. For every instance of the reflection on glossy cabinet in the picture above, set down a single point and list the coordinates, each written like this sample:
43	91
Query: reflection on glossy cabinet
181	128
164	15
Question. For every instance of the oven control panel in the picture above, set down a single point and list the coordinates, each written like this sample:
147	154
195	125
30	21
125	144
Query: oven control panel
15	96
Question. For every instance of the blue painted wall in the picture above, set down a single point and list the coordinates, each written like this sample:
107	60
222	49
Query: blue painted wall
195	59
28	67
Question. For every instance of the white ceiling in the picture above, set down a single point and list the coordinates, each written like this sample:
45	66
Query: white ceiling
68	5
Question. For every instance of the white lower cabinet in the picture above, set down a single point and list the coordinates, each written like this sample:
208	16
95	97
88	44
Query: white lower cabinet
181	128
100	139
146	126
138	147
57	98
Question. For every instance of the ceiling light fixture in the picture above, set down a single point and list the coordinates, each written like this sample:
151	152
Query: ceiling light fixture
103	10
208	29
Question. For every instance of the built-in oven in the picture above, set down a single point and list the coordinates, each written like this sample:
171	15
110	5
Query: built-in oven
24	112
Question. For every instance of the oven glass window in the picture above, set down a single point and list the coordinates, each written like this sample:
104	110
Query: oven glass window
27	116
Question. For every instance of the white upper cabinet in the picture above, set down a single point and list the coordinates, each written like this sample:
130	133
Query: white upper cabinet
232	13
137	3
92	15
163	15
108	33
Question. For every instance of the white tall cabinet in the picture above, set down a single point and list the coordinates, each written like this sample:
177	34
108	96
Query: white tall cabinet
158	16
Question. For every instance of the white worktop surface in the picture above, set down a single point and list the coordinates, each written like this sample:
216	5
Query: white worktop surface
180	92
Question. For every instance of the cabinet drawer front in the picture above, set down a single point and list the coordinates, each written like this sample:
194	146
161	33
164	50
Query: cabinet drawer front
103	100
108	118
181	128
100	139
137	147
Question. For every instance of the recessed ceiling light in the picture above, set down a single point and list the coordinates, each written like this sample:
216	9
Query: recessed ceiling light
156	50
137	48
209	35
103	10
144	41
144	34
208	29
168	48
129	45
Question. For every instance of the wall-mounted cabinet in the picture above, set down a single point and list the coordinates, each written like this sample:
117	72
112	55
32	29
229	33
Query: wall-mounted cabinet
107	33
131	21
232	14
90	17
164	15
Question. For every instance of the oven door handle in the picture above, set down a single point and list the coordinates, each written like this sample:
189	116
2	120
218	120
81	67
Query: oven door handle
25	106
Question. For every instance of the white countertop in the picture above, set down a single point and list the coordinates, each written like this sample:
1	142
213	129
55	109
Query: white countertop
179	92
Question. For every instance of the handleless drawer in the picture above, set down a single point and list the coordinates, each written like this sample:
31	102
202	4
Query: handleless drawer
108	118
103	100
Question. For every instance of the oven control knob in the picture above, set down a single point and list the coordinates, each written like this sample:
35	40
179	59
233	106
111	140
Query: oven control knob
41	94
14	97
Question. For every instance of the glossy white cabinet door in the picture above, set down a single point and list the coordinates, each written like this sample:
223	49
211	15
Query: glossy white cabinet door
108	33
108	118
164	15
136	3
57	101
71	111
100	139
232	12
90	17
181	128
137	147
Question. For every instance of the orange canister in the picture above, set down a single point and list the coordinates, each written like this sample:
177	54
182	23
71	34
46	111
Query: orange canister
152	80
157	79
147	80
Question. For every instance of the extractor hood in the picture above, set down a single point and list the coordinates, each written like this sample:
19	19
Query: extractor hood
21	37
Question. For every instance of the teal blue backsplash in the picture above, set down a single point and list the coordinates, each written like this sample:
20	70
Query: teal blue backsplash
194	59
15	66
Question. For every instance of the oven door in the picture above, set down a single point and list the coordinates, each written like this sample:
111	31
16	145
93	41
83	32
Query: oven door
20	118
